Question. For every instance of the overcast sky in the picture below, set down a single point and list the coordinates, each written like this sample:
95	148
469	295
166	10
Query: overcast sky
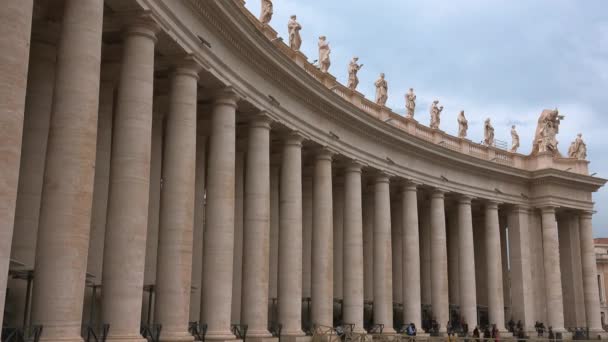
503	59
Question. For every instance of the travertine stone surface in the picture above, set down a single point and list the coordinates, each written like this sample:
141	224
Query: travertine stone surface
425	251
522	290
219	233
322	241
266	12
592	310
397	247
410	105
488	133
67	195
553	280
411	256
275	178
466	263
368	243
256	242
381	90
463	125
494	267
15	25
338	239
435	112
38	103
453	260
439	260
514	140
172	307
127	222
199	219
353	69
237	257
383	275
324	51
306	231
353	247
290	242
295	40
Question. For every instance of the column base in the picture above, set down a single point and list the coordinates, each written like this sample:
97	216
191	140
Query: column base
258	334
262	339
220	336
598	335
184	337
294	338
121	338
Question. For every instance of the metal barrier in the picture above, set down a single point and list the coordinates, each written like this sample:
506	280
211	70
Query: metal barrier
198	330
30	334
240	331
276	329
323	333
90	335
151	333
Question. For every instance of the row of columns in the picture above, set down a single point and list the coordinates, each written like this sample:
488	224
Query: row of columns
67	199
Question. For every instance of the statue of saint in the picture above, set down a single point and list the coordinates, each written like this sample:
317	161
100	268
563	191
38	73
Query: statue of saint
488	133
514	140
435	115
546	131
410	103
324	52
295	41
578	148
381	90
353	68
463	125
266	13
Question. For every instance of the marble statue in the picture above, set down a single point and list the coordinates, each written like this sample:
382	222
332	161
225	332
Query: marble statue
410	103
463	125
488	133
324	51
578	148
353	68
295	41
435	114
514	140
546	132
381	90
266	13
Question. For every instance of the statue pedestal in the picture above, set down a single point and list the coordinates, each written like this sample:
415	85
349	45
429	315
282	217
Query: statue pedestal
269	32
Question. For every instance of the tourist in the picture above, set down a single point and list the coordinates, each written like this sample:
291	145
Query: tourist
476	332
495	333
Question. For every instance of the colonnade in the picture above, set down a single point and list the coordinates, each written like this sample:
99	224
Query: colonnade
117	163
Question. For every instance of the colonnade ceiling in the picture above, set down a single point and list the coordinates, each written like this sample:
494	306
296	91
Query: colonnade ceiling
235	53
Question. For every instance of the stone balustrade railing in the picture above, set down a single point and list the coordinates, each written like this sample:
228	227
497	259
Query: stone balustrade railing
413	127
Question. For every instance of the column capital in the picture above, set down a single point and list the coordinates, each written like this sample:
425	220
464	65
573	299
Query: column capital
409	186
324	153
186	66
294	138
226	96
465	199
491	204
381	177
353	166
438	193
520	208
143	25
261	120
586	214
548	209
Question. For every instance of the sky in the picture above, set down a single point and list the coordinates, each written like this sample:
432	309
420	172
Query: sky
506	60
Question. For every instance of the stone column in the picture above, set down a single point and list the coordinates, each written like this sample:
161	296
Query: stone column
322	241
592	301
397	250
290	238
338	238
453	257
439	261
126	229
368	244
553	278
237	258
172	307
38	103
67	195
383	276
256	241
425	252
199	218
353	247
15	32
275	176
466	263
218	246
496	305
156	160
536	254
521	267
411	256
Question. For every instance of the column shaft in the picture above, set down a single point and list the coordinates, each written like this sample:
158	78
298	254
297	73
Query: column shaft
453	258
322	242
199	219
338	239
397	250
553	278
494	267
522	290
237	258
67	195
383	276
411	256
466	263
368	244
439	261
290	238
353	247
16	26
173	283
127	221
306	233
592	301
275	176
218	246
256	231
